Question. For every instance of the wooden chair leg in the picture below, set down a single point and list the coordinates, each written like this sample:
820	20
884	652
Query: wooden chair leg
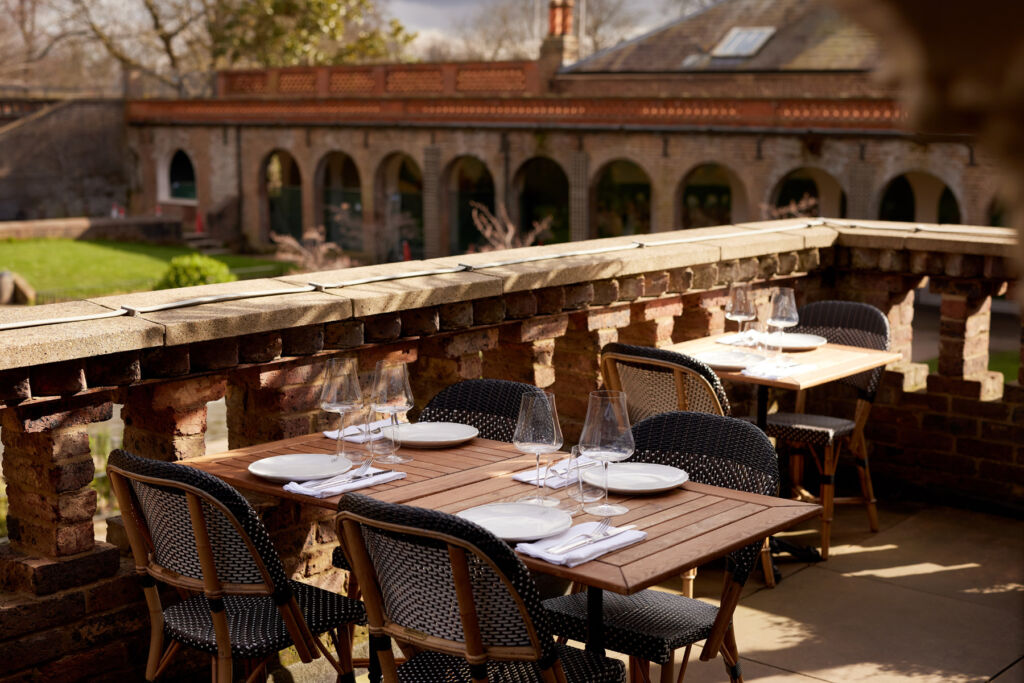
796	472
668	672
860	452
688	578
731	655
828	491
639	670
766	564
682	664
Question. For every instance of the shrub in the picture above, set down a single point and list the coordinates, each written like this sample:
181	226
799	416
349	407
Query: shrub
194	269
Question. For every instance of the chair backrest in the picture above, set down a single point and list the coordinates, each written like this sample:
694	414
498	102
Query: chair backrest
443	583
853	324
716	450
185	524
659	381
490	405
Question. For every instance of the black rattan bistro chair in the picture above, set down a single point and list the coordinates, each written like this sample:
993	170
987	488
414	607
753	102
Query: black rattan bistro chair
660	381
192	531
490	405
459	596
650	625
852	324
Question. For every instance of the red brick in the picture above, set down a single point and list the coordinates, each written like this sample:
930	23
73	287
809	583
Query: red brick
631	288
600	318
259	348
58	379
656	284
985	449
950	424
68	475
926	440
520	305
680	280
550	300
166	361
161	446
343	335
384	327
41	417
456	316
75	506
989	410
536	328
657	308
44	447
578	296
21	613
605	292
115	369
302	341
488	311
101	661
1001	472
15	385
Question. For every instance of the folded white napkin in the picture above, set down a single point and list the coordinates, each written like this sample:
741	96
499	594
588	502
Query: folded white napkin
746	338
776	369
557	475
354	433
539	549
345	485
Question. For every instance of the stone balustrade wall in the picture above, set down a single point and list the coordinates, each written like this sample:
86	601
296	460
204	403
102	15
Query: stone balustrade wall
542	322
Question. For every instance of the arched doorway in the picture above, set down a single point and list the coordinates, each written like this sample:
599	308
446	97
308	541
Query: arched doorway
918	196
282	185
620	200
997	214
711	194
809	192
181	177
466	180
341	200
399	208
542	189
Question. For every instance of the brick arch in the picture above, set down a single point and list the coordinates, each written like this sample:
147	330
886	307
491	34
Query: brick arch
164	158
613	214
398	205
739	200
339	207
517	202
284	210
457	230
831	192
920	181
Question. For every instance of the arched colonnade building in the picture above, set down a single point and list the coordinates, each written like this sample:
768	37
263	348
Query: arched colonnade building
389	158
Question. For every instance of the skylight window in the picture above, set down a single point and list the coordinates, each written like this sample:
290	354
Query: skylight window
743	41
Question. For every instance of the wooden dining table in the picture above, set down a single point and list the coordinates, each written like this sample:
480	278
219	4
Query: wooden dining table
686	527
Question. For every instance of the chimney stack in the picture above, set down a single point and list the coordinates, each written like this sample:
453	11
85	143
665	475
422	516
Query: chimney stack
561	46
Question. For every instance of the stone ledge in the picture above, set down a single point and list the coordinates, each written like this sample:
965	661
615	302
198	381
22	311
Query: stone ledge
43	576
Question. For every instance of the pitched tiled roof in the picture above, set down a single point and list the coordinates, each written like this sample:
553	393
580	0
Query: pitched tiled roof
809	36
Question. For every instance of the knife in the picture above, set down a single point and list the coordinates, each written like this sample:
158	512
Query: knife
585	540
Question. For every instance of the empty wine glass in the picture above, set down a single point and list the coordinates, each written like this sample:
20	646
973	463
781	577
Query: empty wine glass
341	394
577	489
391	395
784	314
538	432
740	307
606	437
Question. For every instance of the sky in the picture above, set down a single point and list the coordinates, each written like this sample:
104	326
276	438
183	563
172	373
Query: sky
436	19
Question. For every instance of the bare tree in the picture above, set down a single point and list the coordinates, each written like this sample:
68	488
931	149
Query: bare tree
501	233
683	7
606	23
313	252
505	29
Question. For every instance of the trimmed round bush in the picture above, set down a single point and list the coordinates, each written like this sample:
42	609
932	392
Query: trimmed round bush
194	269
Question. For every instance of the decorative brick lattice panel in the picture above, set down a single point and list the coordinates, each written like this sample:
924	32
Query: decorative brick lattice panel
491	80
244	84
301	82
693	110
874	112
414	81
351	82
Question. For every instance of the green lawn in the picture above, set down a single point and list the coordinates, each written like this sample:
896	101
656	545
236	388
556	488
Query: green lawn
61	268
1005	362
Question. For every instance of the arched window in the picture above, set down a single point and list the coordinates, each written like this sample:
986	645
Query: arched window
542	189
620	200
182	177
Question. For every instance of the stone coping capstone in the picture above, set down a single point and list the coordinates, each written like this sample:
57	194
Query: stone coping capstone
555	265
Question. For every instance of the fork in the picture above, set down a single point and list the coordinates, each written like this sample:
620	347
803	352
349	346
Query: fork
591	536
342	478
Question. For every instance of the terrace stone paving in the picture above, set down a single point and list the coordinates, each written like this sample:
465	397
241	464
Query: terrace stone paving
936	595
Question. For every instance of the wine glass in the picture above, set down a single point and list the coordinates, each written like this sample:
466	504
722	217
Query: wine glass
576	489
341	394
606	437
538	432
784	313
740	308
391	395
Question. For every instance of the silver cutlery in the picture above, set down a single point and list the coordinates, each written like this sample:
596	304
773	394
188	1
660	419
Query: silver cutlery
344	479
599	534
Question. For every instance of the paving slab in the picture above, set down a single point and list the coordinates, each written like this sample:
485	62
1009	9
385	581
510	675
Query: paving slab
959	554
39	345
862	629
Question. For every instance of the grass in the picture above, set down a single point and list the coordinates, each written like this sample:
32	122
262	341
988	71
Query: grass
1005	362
78	268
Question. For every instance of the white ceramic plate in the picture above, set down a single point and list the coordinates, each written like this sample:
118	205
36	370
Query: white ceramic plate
434	434
519	521
300	467
794	341
637	477
729	361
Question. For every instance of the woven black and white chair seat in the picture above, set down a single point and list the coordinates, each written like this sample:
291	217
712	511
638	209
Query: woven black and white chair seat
579	667
255	623
816	430
649	624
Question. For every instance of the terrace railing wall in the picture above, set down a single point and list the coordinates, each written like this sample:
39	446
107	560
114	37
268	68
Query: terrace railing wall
70	606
